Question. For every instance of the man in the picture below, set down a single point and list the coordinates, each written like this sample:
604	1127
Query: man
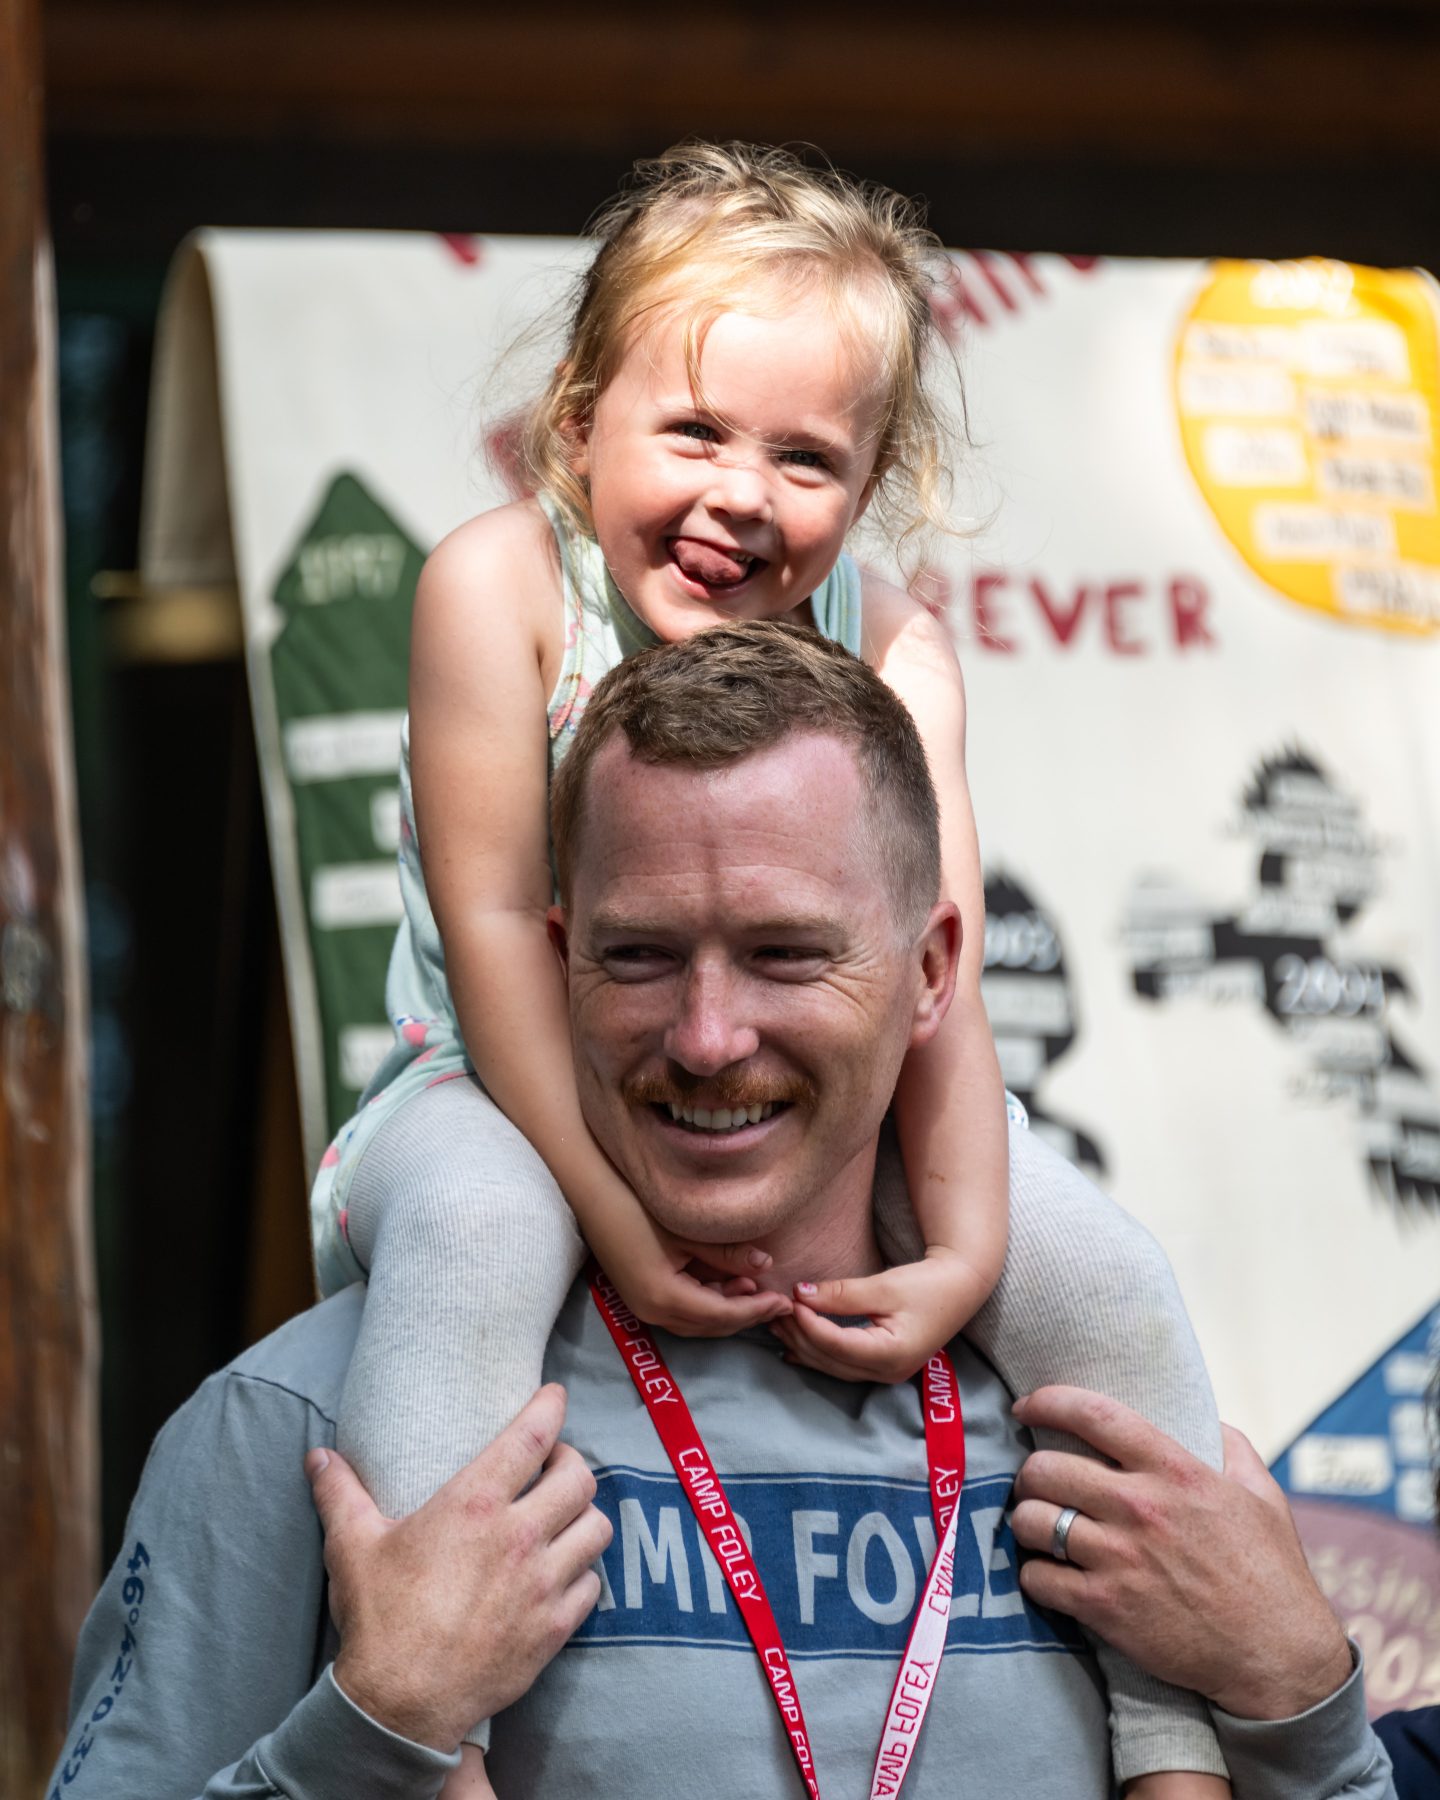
732	940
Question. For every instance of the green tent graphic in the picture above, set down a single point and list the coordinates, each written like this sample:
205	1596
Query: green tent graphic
339	666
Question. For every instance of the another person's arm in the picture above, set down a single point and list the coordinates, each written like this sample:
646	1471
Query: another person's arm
479	760
1199	1576
195	1670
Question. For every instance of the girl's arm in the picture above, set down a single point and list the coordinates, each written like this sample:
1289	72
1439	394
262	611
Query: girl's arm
950	1102
485	645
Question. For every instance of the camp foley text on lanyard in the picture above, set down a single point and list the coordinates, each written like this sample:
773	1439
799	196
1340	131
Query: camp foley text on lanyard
945	1451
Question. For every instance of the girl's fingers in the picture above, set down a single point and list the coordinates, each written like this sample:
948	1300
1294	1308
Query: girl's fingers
800	1353
728	1259
855	1352
857	1296
821	1333
736	1287
700	1311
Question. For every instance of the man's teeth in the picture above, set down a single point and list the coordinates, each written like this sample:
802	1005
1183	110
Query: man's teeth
721	1118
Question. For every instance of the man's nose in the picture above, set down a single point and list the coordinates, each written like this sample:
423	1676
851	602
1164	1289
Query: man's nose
709	1030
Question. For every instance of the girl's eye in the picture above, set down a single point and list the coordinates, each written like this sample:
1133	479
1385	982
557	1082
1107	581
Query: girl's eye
694	428
803	459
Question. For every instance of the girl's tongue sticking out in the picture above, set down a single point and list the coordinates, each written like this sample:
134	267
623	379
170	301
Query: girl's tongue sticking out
709	563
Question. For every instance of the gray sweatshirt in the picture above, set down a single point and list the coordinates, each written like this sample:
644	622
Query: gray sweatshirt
203	1667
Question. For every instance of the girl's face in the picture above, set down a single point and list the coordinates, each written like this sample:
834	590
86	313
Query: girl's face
733	504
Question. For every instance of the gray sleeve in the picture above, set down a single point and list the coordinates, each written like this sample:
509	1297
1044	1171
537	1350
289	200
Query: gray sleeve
1328	1753
1087	1297
195	1672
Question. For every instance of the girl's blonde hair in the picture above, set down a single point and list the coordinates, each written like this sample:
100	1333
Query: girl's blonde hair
702	226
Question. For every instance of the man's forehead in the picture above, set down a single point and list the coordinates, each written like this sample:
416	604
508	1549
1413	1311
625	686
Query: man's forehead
800	764
782	823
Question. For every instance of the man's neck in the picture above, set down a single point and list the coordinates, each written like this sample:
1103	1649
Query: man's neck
833	1239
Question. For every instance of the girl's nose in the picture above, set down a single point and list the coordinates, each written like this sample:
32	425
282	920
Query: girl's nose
739	488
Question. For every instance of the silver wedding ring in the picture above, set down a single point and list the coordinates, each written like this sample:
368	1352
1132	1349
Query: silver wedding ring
1060	1536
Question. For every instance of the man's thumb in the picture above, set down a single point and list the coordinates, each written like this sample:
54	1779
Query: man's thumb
1243	1464
335	1488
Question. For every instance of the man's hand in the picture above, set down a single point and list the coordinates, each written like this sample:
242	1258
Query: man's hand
1197	1576
447	1616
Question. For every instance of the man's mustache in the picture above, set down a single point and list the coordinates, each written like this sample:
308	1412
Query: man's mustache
732	1088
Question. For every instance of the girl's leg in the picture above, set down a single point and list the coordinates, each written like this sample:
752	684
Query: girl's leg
1088	1298
471	1251
469	1782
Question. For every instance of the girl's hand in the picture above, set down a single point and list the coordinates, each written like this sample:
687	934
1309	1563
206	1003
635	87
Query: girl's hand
694	1290
914	1310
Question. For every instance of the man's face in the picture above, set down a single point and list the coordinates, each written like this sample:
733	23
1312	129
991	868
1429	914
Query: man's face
740	995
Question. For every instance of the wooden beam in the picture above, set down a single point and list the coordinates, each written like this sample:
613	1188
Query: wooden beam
1169	82
48	1462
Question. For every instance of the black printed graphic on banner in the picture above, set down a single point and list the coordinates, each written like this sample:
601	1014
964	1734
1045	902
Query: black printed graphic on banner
1032	1014
1318	866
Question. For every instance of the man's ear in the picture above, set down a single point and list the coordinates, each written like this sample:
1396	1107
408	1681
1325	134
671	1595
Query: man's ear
939	953
559	935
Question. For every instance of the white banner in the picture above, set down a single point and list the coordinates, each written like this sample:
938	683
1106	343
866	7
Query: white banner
1198	608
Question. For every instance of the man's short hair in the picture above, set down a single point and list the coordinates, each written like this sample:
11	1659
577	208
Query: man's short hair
734	690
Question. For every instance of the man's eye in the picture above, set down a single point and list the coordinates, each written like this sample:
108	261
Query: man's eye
788	958
636	959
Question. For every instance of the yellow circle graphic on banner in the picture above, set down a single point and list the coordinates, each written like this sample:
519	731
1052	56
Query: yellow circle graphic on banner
1306	394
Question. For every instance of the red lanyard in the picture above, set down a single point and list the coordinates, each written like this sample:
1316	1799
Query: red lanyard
945	1451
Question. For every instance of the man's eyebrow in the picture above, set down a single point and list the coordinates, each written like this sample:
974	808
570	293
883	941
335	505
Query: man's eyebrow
794	924
608	921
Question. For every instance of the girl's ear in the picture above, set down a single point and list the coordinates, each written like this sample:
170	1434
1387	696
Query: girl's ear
575	431
577	448
877	475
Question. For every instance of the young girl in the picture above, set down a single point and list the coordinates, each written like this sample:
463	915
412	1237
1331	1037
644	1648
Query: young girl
744	378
